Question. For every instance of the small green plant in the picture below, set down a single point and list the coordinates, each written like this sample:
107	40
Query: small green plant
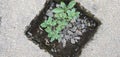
63	15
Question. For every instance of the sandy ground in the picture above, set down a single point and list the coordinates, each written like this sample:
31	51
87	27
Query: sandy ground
16	14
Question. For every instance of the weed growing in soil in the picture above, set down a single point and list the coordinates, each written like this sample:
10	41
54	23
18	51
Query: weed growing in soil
62	16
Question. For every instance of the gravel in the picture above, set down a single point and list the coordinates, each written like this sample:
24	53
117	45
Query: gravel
74	30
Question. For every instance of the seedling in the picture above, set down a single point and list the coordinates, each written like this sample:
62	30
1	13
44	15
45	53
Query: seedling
63	15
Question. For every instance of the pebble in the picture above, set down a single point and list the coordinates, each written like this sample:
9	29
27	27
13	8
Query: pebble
72	41
78	20
30	34
52	50
69	25
77	38
82	21
74	29
78	32
94	24
67	37
73	20
84	30
88	24
45	17
57	5
83	26
50	8
79	27
61	35
70	32
64	42
49	13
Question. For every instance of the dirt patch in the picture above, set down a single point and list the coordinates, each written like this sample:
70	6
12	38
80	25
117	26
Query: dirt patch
79	32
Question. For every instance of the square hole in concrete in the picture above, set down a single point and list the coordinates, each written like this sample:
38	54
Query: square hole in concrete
75	35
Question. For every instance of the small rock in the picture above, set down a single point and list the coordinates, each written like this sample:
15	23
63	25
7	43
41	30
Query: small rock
85	21
57	5
59	40
52	50
64	42
77	23
84	30
74	29
50	8
55	50
69	32
30	34
45	18
94	24
73	20
83	26
82	21
88	24
50	14
72	41
74	35
61	35
77	38
79	26
69	25
78	20
67	37
78	32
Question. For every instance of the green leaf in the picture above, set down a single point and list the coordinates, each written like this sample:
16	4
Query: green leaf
54	23
74	14
69	13
77	13
71	4
58	10
49	21
64	23
44	25
52	39
49	35
57	16
62	27
73	10
48	29
69	18
61	15
64	15
57	36
59	22
58	29
63	5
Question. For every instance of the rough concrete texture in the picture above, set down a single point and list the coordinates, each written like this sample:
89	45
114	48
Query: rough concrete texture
16	14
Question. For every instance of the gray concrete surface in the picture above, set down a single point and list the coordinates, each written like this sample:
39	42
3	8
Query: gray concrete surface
16	14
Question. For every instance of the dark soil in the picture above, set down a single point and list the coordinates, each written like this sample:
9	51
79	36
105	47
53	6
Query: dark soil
37	34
